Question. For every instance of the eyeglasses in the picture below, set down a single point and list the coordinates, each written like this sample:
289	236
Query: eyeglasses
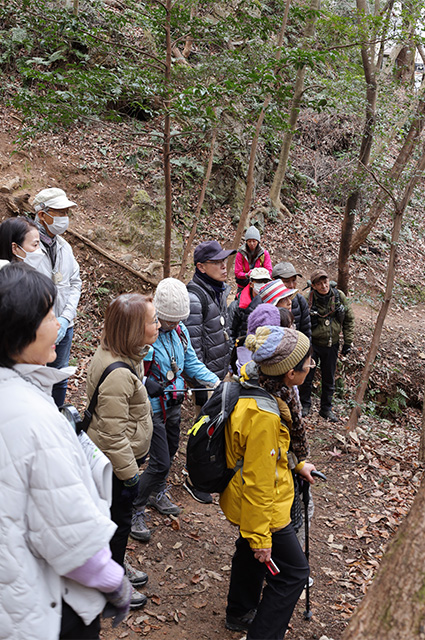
311	365
218	262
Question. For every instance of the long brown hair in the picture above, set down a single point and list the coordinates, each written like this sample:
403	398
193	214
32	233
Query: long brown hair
124	330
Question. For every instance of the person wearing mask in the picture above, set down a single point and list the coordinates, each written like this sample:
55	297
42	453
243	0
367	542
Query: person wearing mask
57	573
259	497
330	315
52	219
250	256
121	425
20	241
286	272
248	301
171	358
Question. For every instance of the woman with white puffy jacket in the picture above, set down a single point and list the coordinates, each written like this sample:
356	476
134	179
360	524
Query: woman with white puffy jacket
56	569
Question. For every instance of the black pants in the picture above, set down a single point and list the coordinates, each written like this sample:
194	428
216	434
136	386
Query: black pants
326	358
73	627
164	444
281	592
121	511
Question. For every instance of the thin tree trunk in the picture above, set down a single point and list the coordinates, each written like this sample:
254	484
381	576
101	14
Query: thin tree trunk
347	226
76	7
394	605
421	456
279	175
397	169
199	207
370	358
250	176
166	147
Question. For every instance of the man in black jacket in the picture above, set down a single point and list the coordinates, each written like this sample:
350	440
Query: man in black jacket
287	273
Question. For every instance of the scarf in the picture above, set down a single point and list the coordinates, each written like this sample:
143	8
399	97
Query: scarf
290	396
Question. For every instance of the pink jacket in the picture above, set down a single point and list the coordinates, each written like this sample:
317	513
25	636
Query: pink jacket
242	268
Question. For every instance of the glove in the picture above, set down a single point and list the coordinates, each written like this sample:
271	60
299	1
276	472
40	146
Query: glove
131	488
154	388
118	602
345	349
64	324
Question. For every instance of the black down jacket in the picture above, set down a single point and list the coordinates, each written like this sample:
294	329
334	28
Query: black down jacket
208	326
302	315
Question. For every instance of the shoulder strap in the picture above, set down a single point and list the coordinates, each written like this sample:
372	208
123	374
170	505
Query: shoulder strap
88	413
183	337
198	290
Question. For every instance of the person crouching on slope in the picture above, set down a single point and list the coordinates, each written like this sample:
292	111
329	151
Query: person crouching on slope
258	499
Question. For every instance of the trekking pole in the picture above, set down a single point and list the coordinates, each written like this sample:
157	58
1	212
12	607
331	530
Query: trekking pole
308	614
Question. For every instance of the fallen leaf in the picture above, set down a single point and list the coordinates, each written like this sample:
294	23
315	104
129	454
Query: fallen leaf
177	545
200	605
156	599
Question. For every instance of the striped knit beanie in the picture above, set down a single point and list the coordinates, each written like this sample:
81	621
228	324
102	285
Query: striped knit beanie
277	350
274	291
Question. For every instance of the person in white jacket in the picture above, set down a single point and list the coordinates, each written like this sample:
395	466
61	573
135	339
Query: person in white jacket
56	571
52	219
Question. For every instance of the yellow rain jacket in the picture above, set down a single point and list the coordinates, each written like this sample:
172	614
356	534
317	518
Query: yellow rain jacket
259	497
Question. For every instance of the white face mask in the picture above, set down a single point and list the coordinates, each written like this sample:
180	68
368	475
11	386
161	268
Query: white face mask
32	258
257	286
59	225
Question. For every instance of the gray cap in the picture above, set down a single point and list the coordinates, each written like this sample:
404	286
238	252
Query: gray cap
284	270
252	234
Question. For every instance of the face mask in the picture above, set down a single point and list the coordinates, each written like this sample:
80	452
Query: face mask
59	225
257	286
32	258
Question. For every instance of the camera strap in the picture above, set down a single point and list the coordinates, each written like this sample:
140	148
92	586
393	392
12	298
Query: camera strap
88	413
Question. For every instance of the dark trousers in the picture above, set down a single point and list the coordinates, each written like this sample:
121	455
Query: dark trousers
326	358
73	627
281	592
164	444
121	511
63	350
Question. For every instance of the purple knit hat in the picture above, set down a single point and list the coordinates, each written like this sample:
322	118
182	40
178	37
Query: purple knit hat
264	314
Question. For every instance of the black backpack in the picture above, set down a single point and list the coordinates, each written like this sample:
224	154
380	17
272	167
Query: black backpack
206	446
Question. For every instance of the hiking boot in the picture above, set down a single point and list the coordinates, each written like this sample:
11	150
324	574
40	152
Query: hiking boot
328	415
136	577
240	623
305	410
163	504
139	530
200	496
138	600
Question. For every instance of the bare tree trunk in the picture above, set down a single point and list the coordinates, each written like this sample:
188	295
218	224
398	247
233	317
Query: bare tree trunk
76	7
421	456
279	175
399	165
199	207
166	147
364	156
250	175
394	605
370	358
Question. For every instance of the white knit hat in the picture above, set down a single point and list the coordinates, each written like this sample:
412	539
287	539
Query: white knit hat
171	300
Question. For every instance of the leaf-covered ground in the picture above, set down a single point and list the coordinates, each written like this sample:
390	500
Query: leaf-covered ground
372	475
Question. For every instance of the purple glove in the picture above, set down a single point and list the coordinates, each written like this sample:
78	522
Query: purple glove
118	602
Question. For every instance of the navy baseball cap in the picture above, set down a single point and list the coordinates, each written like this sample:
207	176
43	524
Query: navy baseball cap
211	250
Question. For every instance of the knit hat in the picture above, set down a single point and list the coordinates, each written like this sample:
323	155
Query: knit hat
274	291
318	273
264	314
172	300
53	198
277	350
252	234
259	273
285	270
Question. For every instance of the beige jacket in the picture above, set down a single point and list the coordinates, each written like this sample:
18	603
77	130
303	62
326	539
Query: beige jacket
122	424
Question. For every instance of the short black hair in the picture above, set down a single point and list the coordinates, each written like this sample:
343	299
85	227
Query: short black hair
286	317
13	230
26	297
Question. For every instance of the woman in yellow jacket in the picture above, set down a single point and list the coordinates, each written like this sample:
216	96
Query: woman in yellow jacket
259	497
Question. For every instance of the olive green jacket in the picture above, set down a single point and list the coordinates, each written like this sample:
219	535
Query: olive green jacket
326	326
